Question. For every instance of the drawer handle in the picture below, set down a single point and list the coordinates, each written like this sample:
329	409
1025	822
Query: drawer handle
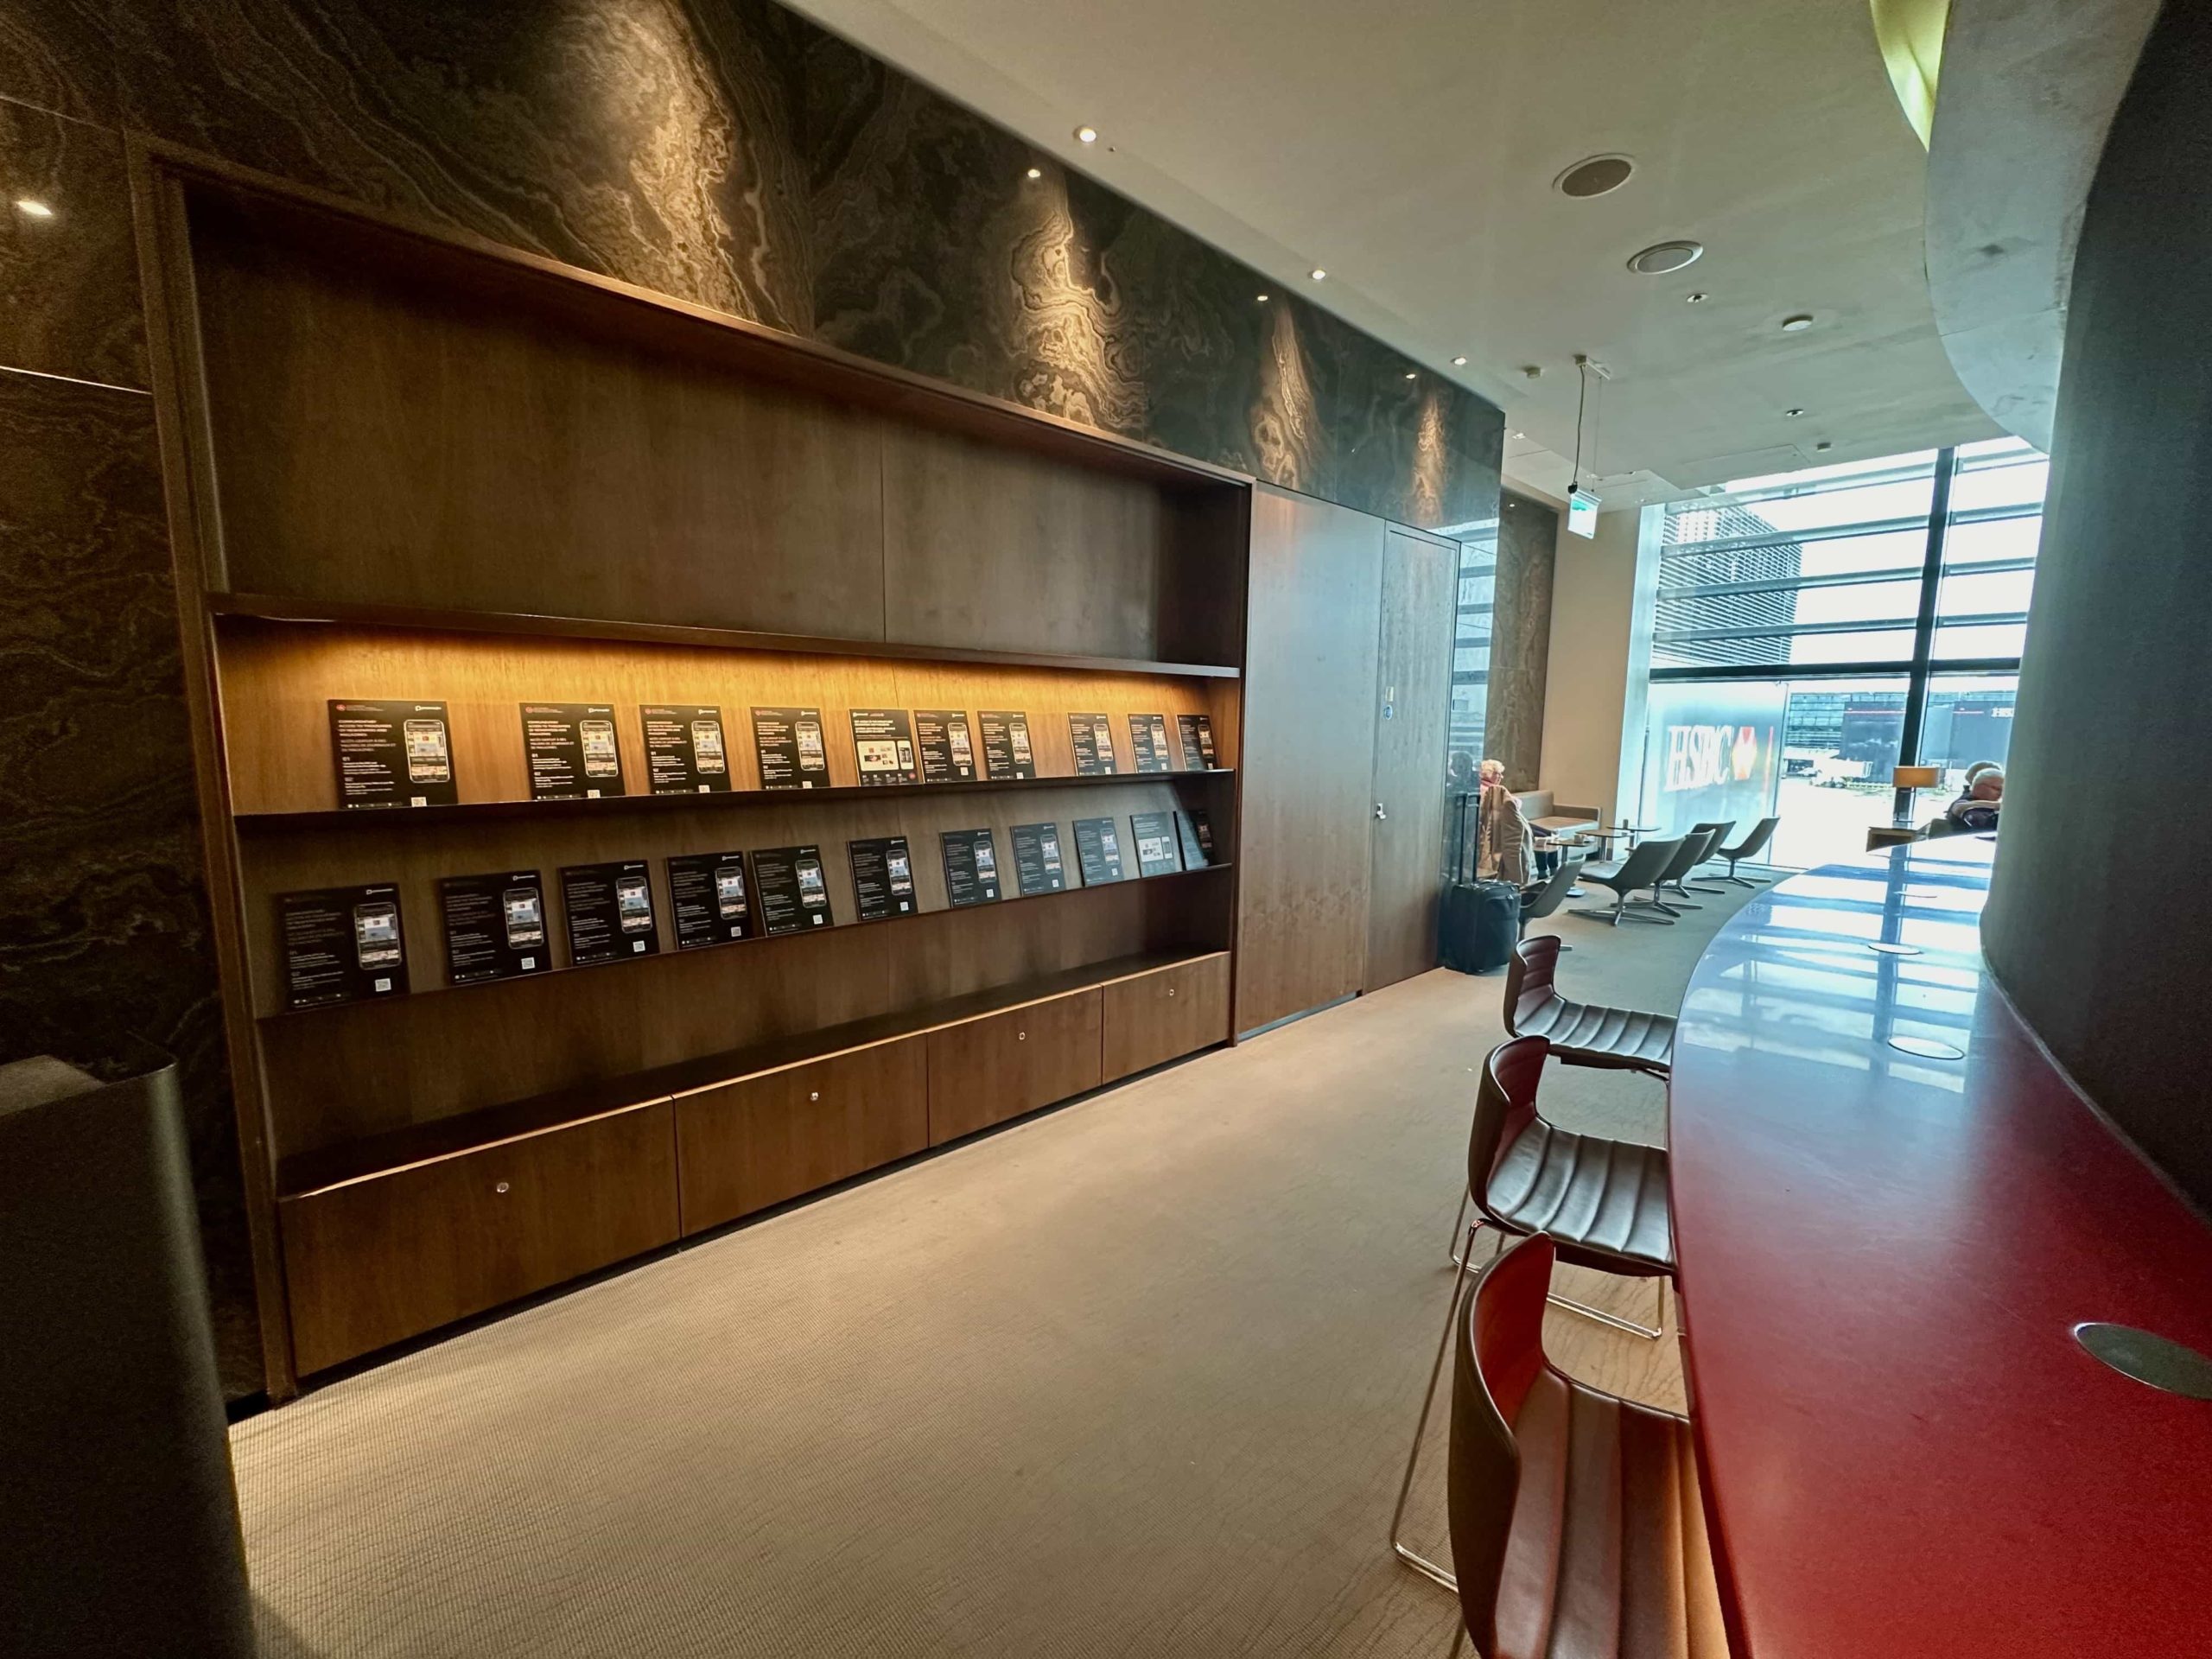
814	1094
1020	1036
1171	990
501	1187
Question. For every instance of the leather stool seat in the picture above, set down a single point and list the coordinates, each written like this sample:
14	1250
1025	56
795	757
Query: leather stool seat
1603	1202
1582	1034
1606	1554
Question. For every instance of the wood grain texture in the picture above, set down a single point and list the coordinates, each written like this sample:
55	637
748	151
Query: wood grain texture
1414	677
1150	1019
381	1260
986	1070
1308	757
753	1143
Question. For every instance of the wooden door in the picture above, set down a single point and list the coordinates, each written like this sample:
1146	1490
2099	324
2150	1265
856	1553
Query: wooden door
1308	761
1413	723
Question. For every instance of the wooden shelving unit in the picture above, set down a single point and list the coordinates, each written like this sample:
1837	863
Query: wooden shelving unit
451	472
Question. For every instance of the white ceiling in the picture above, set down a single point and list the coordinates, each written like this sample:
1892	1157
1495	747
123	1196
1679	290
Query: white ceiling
1410	150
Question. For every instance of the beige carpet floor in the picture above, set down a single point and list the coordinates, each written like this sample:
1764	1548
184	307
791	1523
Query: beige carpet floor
1135	1377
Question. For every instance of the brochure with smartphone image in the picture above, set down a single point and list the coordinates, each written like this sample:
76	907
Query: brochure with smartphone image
1037	865
792	888
707	894
1195	830
945	745
971	867
1148	741
1093	739
392	754
1196	733
610	913
1152	834
1098	852
1006	751
883	878
495	926
883	746
572	751
341	944
685	753
792	750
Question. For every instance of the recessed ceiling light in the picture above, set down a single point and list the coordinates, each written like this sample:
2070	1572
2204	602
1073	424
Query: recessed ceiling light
1086	134
1798	324
1824	446
1036	172
1318	274
1662	256
1262	298
1458	362
30	209
1791	413
1698	298
1520	434
1598	176
1410	375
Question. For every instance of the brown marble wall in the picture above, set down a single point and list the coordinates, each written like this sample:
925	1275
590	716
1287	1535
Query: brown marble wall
725	152
1520	636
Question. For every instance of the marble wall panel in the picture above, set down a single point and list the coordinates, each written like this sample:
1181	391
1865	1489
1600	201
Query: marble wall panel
1528	542
104	927
68	279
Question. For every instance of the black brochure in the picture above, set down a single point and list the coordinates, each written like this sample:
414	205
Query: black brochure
1093	742
883	878
707	892
971	867
883	745
1197	733
1153	834
1006	753
1148	740
1037	862
946	746
1195	832
792	888
341	944
571	750
1099	851
392	754
610	912
495	926
685	751
792	754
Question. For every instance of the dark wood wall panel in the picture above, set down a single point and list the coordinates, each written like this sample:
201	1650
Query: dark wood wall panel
1308	756
1413	729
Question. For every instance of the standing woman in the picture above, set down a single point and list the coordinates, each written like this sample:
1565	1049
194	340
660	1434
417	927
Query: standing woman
1509	849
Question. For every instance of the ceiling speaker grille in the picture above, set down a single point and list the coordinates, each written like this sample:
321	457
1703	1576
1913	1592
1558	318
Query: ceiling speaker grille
1596	176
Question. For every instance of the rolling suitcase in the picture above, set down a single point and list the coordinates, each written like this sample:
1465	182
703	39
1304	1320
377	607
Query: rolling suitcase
1481	920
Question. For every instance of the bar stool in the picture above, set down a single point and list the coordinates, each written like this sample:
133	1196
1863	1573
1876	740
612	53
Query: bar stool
1581	1033
1590	1499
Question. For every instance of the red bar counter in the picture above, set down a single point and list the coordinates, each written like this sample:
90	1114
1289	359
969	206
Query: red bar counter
1883	1258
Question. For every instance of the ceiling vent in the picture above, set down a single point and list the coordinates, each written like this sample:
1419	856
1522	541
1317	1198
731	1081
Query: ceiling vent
1662	256
1599	176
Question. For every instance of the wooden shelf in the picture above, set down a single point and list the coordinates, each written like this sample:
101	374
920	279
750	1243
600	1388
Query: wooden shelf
674	954
421	1143
277	608
467	812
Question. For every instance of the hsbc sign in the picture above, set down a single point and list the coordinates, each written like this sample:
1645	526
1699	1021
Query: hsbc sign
1701	757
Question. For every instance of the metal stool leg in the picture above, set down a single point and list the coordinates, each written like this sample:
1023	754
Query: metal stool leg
1648	1333
1452	1244
1421	1564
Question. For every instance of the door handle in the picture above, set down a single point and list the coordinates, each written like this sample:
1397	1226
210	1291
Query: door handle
1380	817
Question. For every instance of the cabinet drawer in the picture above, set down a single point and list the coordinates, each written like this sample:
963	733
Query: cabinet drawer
757	1141
986	1070
1153	1018
393	1256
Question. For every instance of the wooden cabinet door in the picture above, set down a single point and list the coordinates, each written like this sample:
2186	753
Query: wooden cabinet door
984	1071
379	1259
1308	760
1413	729
1153	1018
759	1140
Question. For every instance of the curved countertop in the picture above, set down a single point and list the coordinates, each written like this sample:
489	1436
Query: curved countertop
1882	1256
